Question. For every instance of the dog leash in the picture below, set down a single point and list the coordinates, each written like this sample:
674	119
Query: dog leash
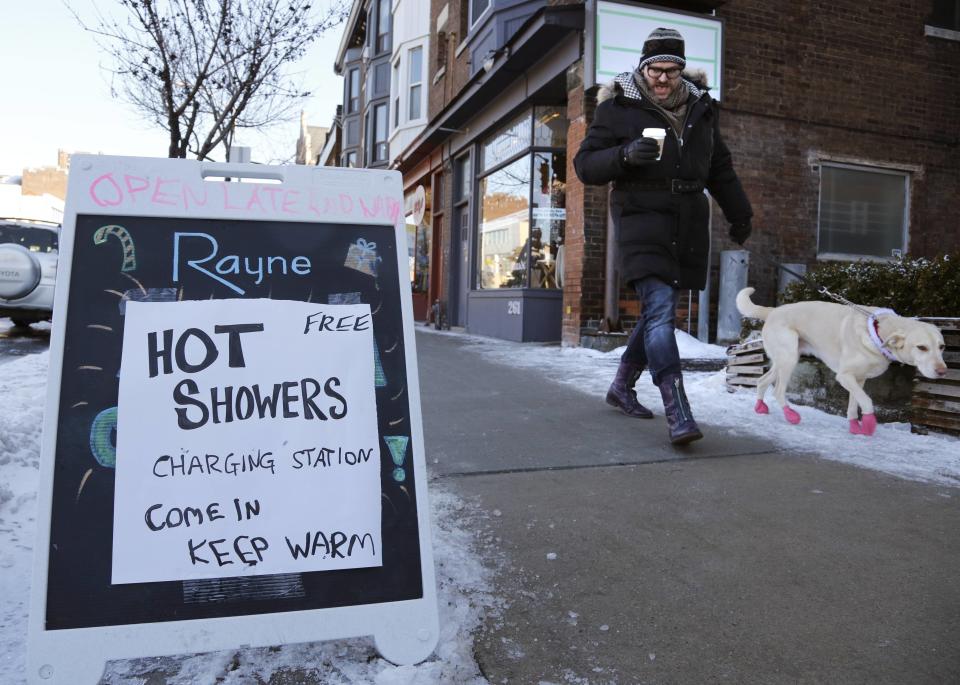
873	326
822	289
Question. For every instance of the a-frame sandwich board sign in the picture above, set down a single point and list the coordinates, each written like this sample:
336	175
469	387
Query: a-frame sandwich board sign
232	450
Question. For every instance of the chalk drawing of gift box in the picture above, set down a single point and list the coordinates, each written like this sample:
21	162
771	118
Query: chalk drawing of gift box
362	256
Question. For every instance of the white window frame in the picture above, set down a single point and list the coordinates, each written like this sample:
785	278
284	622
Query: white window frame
472	20
396	92
889	171
410	84
374	157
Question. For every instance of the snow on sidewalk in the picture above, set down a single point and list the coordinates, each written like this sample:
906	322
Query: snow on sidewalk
893	449
463	584
465	591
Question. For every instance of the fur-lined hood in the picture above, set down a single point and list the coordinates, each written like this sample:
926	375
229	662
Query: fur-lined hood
623	84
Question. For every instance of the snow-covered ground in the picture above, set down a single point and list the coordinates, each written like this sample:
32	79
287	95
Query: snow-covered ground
893	449
464	584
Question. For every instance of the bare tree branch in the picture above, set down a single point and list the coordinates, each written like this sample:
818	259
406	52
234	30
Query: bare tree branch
201	69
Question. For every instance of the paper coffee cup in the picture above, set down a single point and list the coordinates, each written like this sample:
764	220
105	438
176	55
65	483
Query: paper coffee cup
659	135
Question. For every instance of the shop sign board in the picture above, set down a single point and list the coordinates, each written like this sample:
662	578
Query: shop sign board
616	30
549	214
419	204
233	447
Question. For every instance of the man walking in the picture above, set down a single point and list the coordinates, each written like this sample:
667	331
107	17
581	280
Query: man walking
659	209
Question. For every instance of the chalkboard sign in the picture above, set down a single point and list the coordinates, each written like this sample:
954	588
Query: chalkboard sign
232	448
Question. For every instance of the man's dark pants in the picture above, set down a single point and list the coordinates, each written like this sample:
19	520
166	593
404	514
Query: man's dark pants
652	343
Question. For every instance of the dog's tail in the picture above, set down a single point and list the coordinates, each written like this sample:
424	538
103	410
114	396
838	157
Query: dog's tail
748	308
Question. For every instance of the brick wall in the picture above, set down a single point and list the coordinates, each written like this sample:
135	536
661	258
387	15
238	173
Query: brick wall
444	203
456	69
847	81
586	230
45	180
842	81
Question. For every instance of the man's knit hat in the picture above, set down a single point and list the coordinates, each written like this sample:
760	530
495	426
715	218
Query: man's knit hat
663	45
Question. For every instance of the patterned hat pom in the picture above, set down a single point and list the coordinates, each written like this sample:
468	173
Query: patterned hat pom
663	45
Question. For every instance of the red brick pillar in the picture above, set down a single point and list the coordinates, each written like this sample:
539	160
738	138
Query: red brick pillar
586	230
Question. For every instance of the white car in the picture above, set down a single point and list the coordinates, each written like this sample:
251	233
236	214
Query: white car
28	269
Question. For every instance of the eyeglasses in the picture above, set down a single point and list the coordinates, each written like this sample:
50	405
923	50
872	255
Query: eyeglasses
657	72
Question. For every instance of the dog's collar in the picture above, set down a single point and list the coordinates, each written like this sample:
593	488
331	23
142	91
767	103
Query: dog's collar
873	329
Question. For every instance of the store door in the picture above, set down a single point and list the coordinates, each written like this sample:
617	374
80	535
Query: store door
464	285
435	270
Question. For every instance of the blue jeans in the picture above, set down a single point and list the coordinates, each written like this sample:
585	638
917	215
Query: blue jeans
652	343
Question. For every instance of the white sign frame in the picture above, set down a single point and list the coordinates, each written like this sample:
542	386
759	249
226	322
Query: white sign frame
405	632
616	30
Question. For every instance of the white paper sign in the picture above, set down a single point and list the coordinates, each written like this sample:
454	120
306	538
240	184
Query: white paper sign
549	213
247	440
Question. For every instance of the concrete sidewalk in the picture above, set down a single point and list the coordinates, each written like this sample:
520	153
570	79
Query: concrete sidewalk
625	560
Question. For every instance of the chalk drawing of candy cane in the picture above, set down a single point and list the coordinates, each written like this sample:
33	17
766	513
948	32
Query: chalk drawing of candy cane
126	242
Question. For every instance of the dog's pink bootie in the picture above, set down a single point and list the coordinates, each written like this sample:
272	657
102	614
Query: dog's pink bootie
791	416
868	426
761	407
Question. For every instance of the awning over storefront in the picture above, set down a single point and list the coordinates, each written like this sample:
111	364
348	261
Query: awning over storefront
542	32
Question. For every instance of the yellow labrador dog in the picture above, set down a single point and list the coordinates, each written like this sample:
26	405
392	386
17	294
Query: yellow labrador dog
855	347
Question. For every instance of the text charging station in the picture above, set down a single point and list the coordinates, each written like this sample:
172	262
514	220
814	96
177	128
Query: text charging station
232	449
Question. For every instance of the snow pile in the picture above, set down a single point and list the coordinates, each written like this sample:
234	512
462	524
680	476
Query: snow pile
15	205
23	389
893	450
464	585
691	348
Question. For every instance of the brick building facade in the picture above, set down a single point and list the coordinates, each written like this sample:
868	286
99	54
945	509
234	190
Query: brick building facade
845	82
812	92
48	180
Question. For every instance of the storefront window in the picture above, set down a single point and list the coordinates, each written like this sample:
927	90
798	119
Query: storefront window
548	216
419	237
522	203
421	275
462	179
549	127
511	140
505	226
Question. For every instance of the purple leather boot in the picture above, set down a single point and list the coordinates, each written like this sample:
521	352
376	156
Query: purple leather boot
683	428
622	395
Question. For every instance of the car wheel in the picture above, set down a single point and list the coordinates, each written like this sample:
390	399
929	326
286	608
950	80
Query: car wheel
19	271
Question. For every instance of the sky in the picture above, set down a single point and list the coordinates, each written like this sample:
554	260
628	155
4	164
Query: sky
56	93
466	579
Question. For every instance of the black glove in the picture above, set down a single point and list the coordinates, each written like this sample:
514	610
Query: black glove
639	152
739	232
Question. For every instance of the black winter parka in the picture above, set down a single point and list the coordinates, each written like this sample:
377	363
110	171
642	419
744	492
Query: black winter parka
661	232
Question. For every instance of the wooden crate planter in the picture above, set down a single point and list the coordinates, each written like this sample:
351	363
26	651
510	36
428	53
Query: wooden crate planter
935	405
746	362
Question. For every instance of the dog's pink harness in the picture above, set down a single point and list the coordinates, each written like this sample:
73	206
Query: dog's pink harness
873	329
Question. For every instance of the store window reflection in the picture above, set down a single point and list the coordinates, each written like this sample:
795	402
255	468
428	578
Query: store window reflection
548	216
505	226
419	237
522	201
421	258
